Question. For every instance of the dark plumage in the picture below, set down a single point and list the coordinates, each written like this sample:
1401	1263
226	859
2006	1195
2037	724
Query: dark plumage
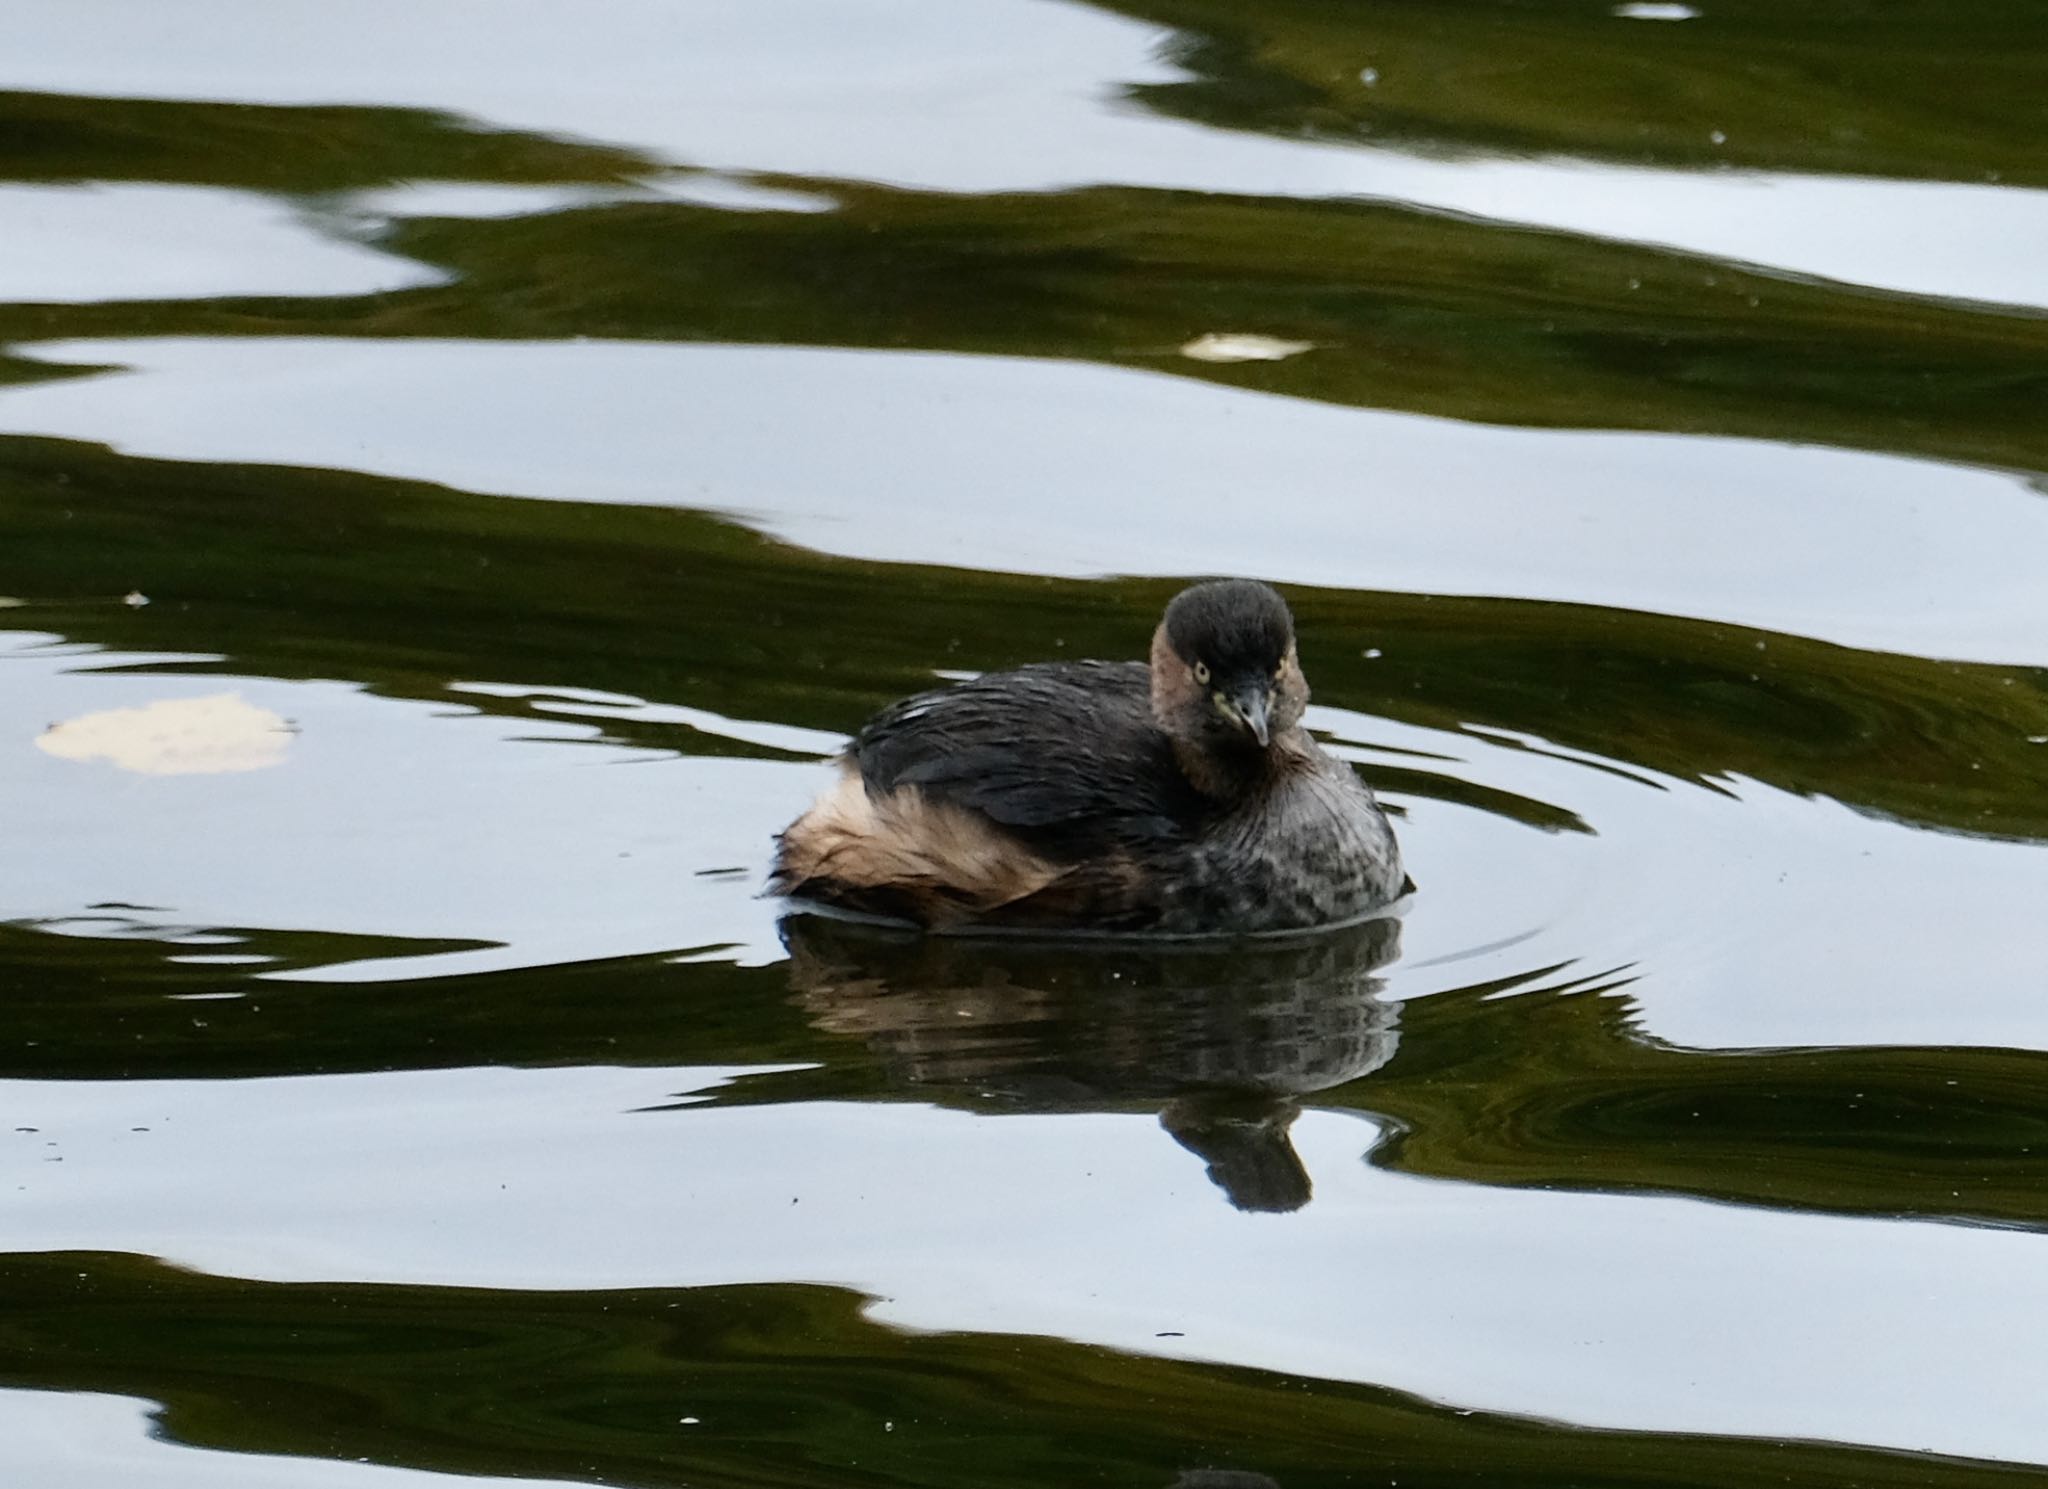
1064	752
1182	796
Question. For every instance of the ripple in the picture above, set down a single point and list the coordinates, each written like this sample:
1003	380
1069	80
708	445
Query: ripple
1597	1310
1947	558
1032	97
130	242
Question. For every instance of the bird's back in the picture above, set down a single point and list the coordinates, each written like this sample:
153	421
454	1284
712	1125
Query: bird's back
1063	754
1030	797
1048	796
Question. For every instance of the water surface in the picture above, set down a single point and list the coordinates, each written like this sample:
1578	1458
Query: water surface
459	482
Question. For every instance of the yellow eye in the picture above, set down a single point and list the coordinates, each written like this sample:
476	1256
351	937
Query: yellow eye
1201	672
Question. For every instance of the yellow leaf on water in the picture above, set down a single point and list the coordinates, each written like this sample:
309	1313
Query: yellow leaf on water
1242	346
175	736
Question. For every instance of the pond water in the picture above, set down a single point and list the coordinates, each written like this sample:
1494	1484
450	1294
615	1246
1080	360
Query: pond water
464	468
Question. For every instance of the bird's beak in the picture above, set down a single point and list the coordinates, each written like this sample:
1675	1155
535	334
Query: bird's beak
1251	706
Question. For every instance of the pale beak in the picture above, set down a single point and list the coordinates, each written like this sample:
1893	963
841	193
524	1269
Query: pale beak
1251	705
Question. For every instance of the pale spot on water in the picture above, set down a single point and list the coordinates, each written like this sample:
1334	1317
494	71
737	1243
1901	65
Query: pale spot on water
175	736
1239	346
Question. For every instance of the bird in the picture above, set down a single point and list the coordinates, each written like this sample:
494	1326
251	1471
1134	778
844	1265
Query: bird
1180	796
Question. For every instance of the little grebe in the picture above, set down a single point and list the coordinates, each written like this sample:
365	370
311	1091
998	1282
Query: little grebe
1182	798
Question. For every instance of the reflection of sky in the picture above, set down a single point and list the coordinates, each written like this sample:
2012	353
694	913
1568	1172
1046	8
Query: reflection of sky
393	818
1746	916
66	1440
1636	1312
1751	918
79	244
1025	90
1070	468
1740	918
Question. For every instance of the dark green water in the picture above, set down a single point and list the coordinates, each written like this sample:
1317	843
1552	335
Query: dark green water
461	470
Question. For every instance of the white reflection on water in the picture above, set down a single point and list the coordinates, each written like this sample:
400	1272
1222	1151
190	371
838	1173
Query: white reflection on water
1746	916
589	703
394	818
70	1440
1633	1312
1001	95
81	244
1072	468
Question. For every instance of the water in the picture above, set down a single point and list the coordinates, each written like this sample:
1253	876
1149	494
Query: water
460	476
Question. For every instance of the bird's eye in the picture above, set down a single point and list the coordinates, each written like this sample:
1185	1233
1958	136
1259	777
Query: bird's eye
1201	672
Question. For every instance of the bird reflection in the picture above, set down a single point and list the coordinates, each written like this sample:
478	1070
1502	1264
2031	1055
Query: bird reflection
1221	1040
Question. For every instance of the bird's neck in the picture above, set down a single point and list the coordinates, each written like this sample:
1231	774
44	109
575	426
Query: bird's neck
1231	776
